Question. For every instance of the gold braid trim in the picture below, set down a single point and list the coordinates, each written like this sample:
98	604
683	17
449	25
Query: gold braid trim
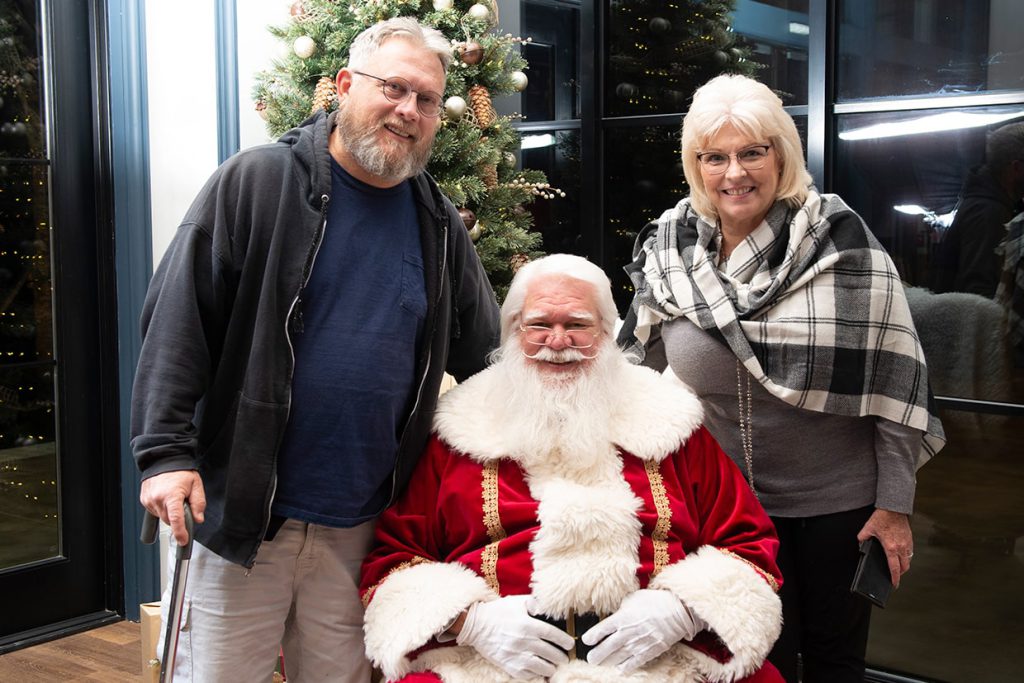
660	535
397	568
764	575
492	522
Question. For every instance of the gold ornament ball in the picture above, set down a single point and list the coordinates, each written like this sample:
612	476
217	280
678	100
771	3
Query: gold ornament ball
304	47
297	10
442	5
479	11
519	80
476	231
455	107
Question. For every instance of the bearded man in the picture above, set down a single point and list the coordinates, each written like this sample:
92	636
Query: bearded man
295	337
571	520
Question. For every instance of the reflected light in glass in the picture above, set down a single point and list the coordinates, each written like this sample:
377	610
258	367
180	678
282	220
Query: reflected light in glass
938	220
537	141
952	120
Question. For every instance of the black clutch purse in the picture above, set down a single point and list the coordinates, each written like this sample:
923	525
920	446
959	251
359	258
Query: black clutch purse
872	579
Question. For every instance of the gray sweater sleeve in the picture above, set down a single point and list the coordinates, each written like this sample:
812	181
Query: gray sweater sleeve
896	448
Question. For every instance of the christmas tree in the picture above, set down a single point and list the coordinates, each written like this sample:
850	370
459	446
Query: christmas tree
474	159
659	53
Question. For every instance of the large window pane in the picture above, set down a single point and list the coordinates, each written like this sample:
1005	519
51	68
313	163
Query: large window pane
934	47
956	615
20	102
557	220
553	56
643	178
659	53
905	183
28	464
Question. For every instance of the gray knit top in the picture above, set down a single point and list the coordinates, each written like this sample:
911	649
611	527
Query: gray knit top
803	463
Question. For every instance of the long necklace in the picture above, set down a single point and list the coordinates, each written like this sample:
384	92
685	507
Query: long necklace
746	423
720	243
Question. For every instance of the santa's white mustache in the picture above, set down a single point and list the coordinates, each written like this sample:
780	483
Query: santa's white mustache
549	355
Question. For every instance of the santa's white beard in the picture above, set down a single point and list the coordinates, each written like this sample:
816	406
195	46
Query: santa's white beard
560	419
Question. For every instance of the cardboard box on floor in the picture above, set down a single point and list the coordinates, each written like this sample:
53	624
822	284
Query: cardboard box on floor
150	617
151	635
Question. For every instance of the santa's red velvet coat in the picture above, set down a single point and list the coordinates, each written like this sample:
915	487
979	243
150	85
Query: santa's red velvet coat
659	506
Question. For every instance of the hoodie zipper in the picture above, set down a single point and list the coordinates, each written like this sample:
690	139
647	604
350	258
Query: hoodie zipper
307	271
430	344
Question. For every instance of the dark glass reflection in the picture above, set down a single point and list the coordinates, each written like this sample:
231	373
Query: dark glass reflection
890	48
659	53
28	464
553	56
26	319
20	100
557	154
906	185
643	178
962	594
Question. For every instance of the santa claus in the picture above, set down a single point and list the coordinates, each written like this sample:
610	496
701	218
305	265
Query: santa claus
571	520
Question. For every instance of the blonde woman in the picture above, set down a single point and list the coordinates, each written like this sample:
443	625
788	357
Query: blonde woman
780	309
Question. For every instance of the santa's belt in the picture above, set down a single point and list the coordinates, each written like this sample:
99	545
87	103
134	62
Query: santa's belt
575	625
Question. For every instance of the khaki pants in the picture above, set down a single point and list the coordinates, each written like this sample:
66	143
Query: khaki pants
302	594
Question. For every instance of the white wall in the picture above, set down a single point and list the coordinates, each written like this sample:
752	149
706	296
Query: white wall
182	78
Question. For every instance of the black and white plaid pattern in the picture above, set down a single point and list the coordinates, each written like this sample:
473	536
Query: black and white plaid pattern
824	324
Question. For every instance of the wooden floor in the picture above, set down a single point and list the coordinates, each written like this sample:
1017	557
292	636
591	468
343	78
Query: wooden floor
109	653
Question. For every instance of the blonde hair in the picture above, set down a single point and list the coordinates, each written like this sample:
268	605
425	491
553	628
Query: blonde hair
755	111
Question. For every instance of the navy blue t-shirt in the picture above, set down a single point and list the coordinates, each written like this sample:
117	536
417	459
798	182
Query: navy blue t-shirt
355	360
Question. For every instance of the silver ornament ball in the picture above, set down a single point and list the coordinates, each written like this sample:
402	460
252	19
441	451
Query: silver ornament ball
304	47
455	107
519	80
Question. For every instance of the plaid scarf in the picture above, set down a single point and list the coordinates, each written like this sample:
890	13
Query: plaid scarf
823	325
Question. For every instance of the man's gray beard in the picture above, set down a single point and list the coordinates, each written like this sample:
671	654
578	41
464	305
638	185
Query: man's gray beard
362	145
567	411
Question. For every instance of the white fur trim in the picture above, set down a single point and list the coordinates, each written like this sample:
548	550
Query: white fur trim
652	418
585	553
736	602
464	665
412	606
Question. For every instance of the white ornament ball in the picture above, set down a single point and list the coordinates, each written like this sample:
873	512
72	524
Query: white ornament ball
479	11
455	107
304	47
519	80
442	5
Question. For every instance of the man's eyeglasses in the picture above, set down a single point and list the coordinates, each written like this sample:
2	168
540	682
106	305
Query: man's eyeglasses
579	338
751	158
397	90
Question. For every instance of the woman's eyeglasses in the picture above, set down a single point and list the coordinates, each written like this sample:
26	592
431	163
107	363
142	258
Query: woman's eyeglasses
751	158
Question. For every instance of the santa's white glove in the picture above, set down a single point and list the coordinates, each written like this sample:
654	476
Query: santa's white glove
647	624
505	634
